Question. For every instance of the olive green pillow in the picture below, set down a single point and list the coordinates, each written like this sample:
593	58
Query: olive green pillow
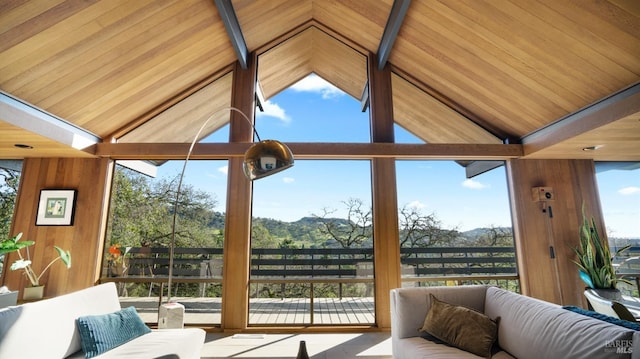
461	327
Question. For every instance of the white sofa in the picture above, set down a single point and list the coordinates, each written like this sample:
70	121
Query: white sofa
47	329
527	328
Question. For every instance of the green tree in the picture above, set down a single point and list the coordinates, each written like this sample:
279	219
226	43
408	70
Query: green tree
9	180
142	212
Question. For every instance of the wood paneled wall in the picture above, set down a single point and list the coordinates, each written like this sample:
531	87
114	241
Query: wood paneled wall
540	226
84	239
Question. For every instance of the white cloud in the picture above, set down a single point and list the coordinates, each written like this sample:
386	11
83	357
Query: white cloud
272	109
316	84
416	204
223	169
288	180
469	183
629	190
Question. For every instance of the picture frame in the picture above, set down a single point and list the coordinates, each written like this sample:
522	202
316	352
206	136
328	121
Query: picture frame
56	207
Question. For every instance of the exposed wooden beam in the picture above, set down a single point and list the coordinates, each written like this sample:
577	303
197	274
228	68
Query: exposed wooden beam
476	168
175	151
148	168
605	111
31	118
381	103
260	100
364	98
230	20
14	165
398	11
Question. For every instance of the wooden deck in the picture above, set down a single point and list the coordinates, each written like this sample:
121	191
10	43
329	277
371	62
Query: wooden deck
268	311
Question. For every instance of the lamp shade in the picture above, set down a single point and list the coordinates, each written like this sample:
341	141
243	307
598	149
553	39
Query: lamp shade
265	158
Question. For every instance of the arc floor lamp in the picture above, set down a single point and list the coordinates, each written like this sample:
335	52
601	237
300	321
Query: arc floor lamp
262	159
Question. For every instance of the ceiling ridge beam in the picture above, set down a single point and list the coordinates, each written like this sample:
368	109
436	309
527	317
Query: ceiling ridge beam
230	20
390	33
31	118
605	111
311	24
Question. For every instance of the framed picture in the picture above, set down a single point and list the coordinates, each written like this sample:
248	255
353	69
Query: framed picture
56	207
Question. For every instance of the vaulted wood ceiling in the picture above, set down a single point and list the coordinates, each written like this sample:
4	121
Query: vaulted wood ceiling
553	75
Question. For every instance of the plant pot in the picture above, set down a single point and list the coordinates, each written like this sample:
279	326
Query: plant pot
115	269
33	293
611	294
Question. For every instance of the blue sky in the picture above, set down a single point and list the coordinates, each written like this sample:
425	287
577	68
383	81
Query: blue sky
314	111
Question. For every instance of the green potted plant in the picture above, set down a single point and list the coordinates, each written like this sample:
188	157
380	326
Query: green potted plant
595	262
14	244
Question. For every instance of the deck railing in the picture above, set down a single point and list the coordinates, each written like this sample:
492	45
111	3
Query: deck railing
203	265
320	262
313	275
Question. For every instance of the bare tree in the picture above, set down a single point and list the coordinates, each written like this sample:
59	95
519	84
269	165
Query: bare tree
352	231
420	230
496	237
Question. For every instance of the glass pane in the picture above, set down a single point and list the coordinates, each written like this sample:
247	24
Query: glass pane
140	230
312	246
454	230
9	181
313	110
620	197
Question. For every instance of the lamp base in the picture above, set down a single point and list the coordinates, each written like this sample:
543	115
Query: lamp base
171	316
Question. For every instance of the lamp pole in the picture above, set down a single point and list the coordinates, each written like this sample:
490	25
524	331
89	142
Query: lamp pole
184	167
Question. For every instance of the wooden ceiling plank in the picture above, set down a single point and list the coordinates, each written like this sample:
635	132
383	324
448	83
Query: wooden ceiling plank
508	55
177	123
285	64
82	60
483	123
546	38
17	20
431	120
152	68
339	64
630	6
263	21
150	90
53	40
473	52
169	103
431	67
606	50
362	22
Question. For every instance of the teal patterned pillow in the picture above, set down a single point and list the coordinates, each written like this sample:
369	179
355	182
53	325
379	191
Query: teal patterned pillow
101	333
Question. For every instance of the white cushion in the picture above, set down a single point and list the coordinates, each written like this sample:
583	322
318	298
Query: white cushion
47	328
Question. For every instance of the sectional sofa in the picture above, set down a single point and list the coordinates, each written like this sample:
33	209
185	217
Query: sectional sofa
48	329
524	327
